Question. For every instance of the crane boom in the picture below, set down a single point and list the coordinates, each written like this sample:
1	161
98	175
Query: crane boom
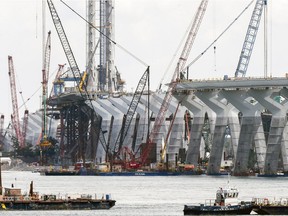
25	124
180	66
250	39
1	129
15	115
45	77
64	41
131	111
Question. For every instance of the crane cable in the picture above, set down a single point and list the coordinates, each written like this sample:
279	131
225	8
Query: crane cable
175	54
116	44
219	36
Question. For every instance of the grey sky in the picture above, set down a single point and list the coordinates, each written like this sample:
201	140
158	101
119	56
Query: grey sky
151	30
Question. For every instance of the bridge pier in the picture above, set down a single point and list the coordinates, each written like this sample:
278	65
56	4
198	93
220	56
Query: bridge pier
198	111
210	98
284	142
250	123
278	122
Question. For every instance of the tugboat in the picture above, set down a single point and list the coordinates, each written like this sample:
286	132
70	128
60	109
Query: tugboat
226	203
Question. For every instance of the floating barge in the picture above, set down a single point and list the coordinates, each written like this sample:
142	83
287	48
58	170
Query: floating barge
264	206
13	199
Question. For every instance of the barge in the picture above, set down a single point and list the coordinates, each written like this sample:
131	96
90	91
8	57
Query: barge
13	199
264	206
122	173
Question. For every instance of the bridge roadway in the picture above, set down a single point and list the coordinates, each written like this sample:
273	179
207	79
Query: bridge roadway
222	100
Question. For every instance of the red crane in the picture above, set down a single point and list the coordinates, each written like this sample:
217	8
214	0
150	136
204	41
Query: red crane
15	115
179	68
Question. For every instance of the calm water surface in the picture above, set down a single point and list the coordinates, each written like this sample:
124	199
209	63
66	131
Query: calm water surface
142	195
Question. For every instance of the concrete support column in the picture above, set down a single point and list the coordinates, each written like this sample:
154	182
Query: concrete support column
250	123
234	125
284	143
211	99
278	122
198	110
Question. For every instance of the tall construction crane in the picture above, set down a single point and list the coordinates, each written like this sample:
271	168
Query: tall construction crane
1	131
130	113
25	124
180	67
71	60
25	118
45	76
250	38
15	115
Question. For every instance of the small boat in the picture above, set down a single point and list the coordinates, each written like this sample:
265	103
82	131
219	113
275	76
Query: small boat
226	203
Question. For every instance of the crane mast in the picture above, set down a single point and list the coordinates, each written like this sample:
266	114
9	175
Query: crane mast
15	115
45	77
64	41
131	111
250	39
25	124
180	66
1	130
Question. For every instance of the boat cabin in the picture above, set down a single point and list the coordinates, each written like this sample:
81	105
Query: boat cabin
228	196
11	194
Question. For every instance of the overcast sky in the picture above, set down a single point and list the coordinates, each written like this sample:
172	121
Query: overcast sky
151	30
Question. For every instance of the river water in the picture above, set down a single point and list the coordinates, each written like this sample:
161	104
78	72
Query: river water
142	195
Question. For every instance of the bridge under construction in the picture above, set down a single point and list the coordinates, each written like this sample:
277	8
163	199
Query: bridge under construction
237	123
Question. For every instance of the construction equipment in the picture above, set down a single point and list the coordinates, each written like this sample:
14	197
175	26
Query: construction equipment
83	80
58	84
180	66
72	63
15	115
45	76
250	39
130	113
1	131
164	144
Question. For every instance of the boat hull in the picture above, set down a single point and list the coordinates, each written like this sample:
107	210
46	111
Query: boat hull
271	210
57	205
156	173
217	210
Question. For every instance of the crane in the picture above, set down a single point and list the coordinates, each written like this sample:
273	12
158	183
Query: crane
164	146
250	38
72	61
25	124
45	76
180	66
1	131
58	84
130	113
15	115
